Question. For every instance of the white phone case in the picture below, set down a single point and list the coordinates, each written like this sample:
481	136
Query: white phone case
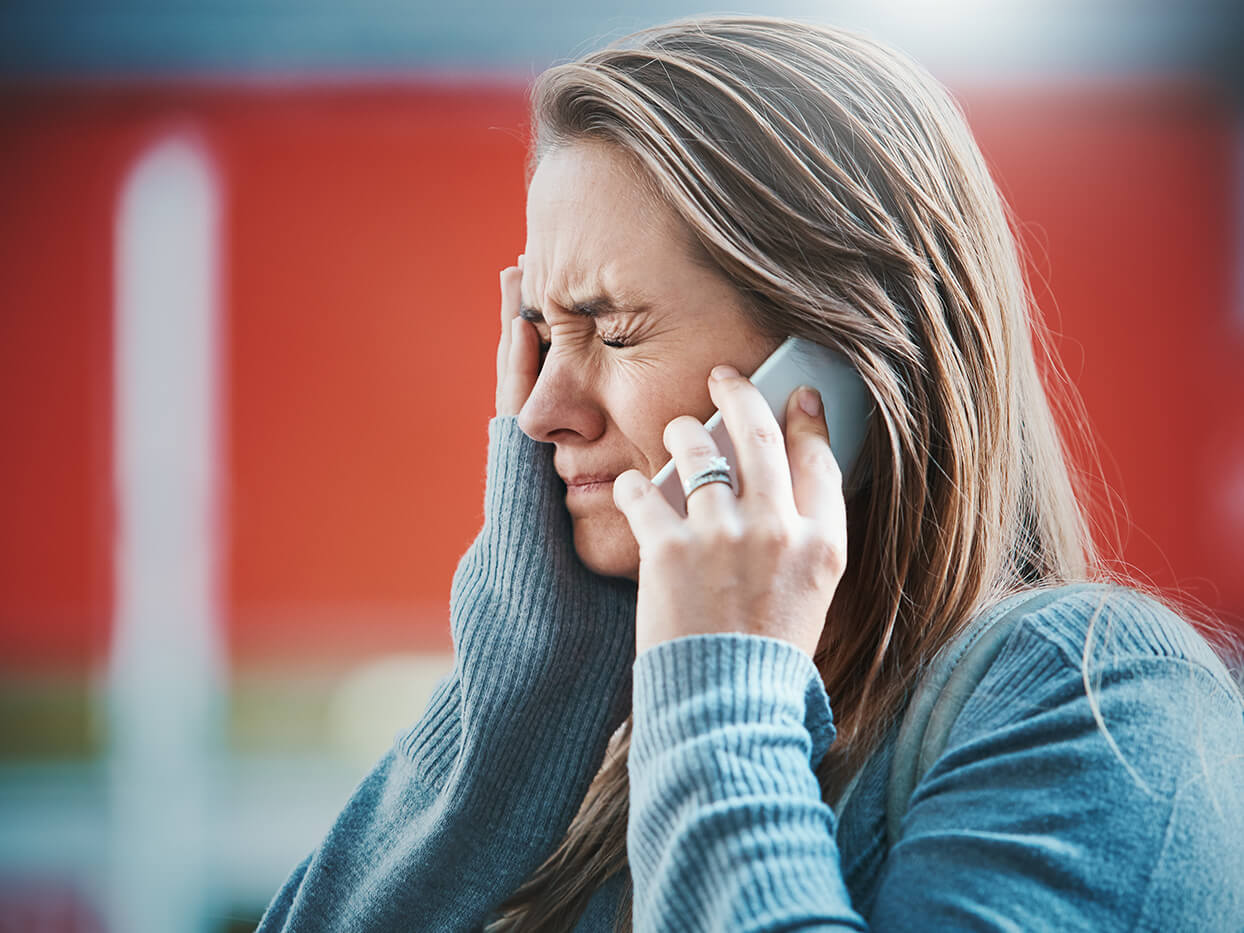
796	362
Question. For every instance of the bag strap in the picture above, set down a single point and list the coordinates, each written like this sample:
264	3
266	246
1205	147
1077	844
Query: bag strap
944	689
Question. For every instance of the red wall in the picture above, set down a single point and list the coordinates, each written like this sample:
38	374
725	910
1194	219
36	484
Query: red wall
1128	199
364	230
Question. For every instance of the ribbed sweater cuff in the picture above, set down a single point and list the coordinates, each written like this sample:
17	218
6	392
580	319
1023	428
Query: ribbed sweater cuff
690	687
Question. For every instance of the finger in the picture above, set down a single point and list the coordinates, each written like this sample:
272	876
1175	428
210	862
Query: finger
511	300
522	368
646	510
815	478
693	449
764	474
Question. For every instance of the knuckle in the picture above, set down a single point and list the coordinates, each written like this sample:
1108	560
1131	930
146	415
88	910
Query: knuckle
825	553
724	535
766	435
774	536
701	451
817	458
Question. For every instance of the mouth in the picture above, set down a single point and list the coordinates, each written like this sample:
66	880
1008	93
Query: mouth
582	485
585	484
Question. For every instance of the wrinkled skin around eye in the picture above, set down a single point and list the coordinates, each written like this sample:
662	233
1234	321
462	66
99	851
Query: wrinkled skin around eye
592	229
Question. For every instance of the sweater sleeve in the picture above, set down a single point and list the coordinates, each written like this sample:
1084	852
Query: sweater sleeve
468	802
727	829
1030	819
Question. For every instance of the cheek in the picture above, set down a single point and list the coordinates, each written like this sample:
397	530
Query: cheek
645	411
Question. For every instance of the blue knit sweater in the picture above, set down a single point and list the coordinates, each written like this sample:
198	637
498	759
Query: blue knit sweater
1034	817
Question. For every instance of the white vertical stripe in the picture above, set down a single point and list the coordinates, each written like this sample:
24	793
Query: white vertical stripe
165	668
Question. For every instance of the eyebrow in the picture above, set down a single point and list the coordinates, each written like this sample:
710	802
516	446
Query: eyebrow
594	307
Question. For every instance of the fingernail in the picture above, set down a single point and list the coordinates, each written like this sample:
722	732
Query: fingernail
520	260
724	371
810	400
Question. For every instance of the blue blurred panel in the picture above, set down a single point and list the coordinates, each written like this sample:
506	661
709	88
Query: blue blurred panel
965	39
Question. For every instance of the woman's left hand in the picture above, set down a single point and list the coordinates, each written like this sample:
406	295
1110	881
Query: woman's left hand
765	562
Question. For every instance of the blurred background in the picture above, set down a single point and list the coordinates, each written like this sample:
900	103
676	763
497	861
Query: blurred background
248	291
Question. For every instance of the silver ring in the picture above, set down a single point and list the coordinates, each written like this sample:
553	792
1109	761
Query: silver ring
717	471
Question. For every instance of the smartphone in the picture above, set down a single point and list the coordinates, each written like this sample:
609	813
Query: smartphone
796	362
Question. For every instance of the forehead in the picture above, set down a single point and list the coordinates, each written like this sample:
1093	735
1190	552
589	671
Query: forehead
594	178
592	223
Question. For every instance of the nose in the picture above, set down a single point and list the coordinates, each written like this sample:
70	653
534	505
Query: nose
563	399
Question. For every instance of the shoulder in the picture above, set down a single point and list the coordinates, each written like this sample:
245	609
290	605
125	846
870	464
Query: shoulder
1108	727
1098	628
1103	748
1105	674
1108	674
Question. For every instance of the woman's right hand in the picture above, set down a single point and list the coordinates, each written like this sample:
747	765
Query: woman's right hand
518	351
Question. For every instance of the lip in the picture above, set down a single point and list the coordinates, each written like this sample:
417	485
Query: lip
583	485
598	479
581	490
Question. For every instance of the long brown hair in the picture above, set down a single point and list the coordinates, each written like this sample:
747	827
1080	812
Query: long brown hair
836	185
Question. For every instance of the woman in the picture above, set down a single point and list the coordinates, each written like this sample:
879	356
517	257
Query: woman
699	191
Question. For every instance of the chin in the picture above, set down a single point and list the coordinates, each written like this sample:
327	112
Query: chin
606	546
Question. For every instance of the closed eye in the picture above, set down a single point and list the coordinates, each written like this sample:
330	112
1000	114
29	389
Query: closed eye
615	341
595	308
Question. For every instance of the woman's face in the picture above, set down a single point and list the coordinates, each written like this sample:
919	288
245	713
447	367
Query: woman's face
612	379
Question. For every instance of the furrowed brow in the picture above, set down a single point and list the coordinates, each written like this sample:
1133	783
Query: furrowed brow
598	306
